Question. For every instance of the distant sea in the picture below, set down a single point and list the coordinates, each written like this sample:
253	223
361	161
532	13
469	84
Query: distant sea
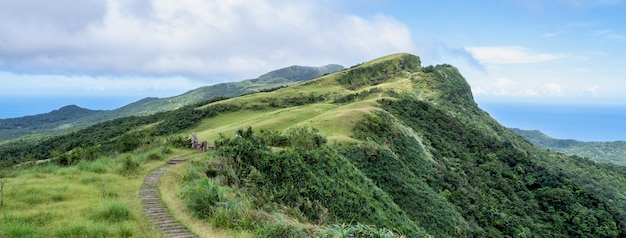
563	121
19	106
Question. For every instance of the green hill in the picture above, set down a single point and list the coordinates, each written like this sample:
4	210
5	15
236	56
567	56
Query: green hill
385	148
72	117
605	152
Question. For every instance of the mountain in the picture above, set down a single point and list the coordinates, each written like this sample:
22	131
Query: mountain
605	152
72	117
387	147
58	120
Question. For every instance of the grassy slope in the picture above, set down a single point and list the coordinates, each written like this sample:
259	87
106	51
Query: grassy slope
53	201
72	117
333	120
430	162
445	90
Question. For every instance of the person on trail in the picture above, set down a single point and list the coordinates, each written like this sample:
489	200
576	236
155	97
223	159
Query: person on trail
194	140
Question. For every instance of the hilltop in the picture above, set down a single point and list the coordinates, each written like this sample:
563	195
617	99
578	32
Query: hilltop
387	147
72	117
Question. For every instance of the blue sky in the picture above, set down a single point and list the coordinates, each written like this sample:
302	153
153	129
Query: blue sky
553	51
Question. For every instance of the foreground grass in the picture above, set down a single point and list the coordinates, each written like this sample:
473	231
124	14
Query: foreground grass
90	199
170	185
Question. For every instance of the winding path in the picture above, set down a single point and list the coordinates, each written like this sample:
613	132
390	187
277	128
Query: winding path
154	207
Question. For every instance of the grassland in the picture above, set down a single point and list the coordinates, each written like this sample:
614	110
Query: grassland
90	199
397	149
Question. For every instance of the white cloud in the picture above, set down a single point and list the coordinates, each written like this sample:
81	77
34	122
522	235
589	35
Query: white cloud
507	87
552	89
509	55
593	90
234	39
610	35
60	85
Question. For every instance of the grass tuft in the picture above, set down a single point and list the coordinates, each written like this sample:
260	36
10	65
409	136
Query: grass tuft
84	229
18	227
113	211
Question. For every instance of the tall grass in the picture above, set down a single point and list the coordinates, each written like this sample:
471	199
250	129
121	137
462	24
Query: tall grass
18	227
113	211
88	199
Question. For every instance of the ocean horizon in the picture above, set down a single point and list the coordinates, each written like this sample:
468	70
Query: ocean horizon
563	121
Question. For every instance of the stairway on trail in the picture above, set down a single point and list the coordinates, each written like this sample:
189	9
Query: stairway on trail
155	209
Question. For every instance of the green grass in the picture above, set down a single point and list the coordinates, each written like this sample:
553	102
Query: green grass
90	199
334	121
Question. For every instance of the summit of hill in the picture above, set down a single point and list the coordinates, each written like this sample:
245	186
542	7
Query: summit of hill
387	147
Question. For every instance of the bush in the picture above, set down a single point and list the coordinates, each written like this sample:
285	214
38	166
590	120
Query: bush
358	230
202	196
129	165
154	156
280	229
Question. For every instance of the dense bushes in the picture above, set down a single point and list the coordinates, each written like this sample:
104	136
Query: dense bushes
497	187
379	72
306	175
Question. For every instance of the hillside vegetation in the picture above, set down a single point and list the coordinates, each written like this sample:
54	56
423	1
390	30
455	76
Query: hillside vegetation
387	148
72	117
605	152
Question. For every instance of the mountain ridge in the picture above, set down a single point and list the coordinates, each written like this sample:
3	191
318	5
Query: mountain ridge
52	122
388	144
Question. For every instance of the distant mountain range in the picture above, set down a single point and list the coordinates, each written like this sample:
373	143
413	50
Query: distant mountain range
606	152
74	117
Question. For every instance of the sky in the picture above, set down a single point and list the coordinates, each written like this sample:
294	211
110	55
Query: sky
548	51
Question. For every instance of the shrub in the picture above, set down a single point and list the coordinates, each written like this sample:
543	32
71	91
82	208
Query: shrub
202	196
129	165
358	230
154	156
281	229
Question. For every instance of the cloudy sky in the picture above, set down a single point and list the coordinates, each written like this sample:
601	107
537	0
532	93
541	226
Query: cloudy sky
570	51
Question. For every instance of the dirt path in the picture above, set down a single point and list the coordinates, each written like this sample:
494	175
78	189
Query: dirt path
154	207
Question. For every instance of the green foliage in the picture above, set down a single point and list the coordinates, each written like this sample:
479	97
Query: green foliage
280	229
357	96
399	165
203	196
488	179
129	165
120	135
293	101
312	177
378	71
606	152
357	230
72	117
86	229
11	227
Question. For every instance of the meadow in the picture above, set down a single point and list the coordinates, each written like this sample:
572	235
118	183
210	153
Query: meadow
89	199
